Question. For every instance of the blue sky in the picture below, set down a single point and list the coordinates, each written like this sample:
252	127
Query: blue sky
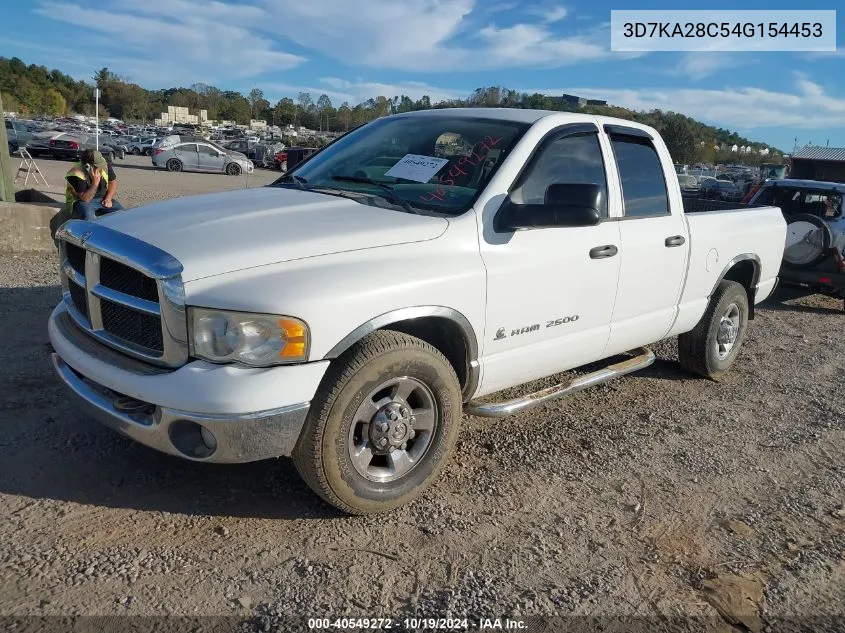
356	49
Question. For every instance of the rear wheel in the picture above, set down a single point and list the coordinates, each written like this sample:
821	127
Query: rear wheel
233	169
382	425
712	347
174	164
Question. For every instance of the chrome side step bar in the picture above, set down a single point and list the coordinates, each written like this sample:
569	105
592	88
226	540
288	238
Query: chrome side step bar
643	357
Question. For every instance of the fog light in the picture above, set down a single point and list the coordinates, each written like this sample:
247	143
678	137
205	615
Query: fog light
208	439
191	439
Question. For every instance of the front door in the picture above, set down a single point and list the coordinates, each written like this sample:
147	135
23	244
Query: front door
655	245
209	158
550	291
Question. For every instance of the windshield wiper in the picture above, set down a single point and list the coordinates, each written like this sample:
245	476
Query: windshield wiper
299	181
391	194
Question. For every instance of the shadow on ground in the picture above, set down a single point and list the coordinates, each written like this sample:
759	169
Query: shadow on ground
790	299
50	450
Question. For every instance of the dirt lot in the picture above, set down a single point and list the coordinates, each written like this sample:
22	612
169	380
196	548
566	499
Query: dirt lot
140	183
659	496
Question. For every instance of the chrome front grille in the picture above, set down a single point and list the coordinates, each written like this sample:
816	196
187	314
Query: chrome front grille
124	292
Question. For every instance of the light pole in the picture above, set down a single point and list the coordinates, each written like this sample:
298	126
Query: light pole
97	118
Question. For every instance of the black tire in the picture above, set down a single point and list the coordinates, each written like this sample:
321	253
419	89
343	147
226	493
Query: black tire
174	164
699	350
322	455
824	233
148	151
136	151
233	169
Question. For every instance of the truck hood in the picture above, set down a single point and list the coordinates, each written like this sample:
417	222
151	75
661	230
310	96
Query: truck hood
219	233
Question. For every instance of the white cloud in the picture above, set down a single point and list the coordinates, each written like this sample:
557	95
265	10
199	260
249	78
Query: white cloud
427	35
189	42
550	15
808	106
209	40
700	64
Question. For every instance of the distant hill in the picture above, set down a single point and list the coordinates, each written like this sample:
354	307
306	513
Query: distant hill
34	90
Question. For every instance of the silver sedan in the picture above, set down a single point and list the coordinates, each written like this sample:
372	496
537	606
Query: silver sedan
201	157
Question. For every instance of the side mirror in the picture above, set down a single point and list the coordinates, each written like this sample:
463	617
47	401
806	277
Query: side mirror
565	205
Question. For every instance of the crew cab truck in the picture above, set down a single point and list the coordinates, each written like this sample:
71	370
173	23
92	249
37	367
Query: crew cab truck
347	314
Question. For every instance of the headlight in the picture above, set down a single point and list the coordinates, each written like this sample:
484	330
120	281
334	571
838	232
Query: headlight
259	340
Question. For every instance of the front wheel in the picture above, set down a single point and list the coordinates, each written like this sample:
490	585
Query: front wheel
233	169
711	348
136	151
382	425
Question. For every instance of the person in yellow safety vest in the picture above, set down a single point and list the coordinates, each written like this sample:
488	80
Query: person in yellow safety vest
91	187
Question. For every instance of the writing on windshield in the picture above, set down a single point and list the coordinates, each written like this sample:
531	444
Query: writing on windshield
464	167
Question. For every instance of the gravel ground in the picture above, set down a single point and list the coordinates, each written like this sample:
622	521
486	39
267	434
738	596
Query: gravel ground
659	496
139	183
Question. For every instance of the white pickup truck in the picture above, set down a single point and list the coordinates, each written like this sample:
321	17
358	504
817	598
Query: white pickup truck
347	314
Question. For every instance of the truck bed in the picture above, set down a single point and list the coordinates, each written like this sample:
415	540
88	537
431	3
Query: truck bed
699	205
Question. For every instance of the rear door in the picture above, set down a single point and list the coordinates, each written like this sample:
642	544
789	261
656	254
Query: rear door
187	153
654	242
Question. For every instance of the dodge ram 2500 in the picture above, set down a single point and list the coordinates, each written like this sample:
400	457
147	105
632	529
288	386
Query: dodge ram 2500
347	314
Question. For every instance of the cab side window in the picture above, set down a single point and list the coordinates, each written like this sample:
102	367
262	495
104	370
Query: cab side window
569	159
644	192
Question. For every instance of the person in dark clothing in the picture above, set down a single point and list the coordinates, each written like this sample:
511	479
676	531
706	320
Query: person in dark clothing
91	187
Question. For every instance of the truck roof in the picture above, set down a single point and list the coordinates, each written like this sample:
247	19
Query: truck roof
527	116
806	184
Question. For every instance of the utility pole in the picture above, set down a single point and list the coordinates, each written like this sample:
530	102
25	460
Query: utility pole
7	190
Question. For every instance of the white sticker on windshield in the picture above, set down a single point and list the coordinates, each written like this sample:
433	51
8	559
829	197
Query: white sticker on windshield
417	167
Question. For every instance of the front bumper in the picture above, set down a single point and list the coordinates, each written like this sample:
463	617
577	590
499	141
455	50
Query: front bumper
201	412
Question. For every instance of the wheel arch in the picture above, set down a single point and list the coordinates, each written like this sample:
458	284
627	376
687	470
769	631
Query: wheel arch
744	269
445	328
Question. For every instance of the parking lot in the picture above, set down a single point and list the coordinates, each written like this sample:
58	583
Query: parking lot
658	495
140	183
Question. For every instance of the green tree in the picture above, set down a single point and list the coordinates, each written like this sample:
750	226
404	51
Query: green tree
680	139
324	109
284	112
255	98
344	114
54	102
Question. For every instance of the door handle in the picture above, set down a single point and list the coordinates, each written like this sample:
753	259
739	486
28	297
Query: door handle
675	240
602	252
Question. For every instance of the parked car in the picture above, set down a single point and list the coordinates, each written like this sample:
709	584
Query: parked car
815	240
39	146
715	189
143	146
69	147
689	185
200	156
349	313
17	135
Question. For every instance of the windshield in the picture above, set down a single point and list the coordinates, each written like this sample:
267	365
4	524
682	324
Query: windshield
434	162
